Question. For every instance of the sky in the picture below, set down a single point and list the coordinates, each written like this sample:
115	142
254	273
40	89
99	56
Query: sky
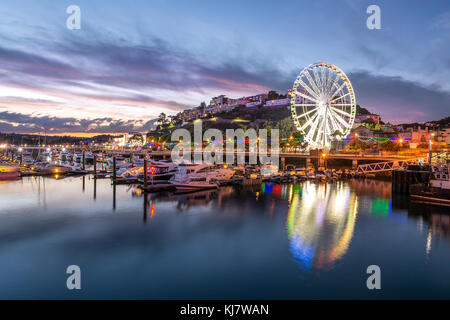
132	60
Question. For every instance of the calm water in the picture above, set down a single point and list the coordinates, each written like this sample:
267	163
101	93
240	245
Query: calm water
293	241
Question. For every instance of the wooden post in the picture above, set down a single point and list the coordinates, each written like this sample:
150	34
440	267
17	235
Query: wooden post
95	187
95	163
84	160
145	207
114	169
145	172
21	156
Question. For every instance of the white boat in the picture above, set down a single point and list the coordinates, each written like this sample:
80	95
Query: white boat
213	171
120	162
27	158
78	157
269	170
65	156
441	177
195	183
89	158
156	172
45	157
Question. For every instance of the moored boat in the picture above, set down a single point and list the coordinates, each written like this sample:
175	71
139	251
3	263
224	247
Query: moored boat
9	172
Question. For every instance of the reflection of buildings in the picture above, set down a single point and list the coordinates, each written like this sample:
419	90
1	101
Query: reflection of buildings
320	223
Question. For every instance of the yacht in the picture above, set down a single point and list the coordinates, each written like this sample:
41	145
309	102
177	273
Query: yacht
65	156
120	162
216	172
52	169
196	182
44	157
9	172
78	157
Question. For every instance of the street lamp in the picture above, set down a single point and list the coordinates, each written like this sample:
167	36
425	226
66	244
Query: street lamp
431	143
324	156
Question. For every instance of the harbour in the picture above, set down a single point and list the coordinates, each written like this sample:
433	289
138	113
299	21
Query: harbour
225	158
297	240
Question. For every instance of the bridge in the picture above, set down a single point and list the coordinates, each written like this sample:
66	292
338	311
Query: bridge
397	164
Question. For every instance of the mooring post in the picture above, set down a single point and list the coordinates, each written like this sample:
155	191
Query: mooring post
84	160
95	163
21	156
145	172
145	207
114	169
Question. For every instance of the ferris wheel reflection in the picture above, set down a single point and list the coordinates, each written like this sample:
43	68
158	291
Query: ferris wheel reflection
320	223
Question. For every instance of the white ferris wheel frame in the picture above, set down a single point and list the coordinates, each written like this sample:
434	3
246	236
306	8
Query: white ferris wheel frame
323	104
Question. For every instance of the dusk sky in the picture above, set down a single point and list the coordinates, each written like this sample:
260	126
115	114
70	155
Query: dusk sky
132	60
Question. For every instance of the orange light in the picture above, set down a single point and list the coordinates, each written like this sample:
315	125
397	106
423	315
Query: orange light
324	155
152	210
401	140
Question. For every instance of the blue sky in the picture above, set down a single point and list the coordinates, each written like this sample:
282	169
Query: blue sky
132	60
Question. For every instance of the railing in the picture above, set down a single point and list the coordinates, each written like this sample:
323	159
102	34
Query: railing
385	166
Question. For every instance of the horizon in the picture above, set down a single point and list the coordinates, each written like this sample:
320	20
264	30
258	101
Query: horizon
127	64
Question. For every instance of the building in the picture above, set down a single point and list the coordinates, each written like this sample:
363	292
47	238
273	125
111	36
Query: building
443	136
367	117
278	102
257	100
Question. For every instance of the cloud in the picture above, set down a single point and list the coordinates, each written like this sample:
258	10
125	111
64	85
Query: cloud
442	21
399	100
23	123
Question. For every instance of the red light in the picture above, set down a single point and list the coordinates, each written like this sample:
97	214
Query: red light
152	170
152	210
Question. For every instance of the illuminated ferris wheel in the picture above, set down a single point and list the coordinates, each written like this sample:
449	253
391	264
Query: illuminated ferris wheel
323	104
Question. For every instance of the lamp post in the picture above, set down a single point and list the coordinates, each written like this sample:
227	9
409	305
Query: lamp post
324	156
431	143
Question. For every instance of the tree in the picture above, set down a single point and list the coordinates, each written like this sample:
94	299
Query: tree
136	139
163	120
390	146
272	95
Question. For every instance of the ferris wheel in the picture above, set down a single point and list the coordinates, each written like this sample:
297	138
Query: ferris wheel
323	104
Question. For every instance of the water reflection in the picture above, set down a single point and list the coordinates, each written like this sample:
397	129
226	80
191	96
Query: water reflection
320	223
434	220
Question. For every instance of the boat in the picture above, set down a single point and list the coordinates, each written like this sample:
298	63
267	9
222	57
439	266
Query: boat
437	192
9	172
64	156
196	183
220	173
120	162
45	157
78	157
156	172
52	169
